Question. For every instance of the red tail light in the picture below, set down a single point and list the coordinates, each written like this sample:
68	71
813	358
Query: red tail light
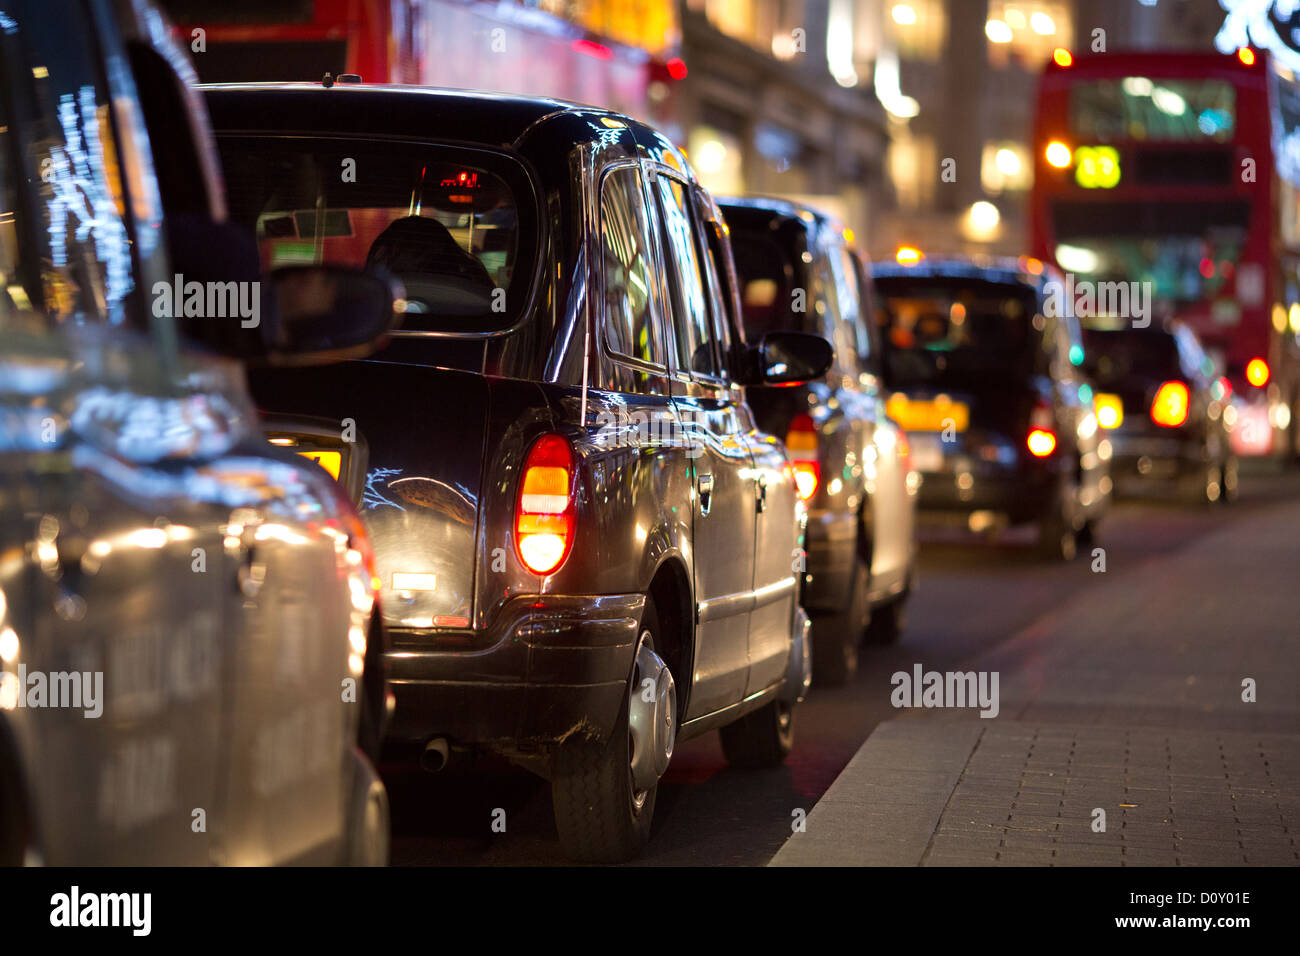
801	443
545	518
1170	406
1042	431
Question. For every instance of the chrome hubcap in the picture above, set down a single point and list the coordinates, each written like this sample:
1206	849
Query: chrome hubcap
652	720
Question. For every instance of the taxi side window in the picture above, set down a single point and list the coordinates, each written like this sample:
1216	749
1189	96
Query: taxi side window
722	286
627	272
65	249
690	314
848	346
869	347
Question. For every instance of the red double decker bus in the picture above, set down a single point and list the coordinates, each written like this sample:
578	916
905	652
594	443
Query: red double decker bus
607	52
1179	171
286	40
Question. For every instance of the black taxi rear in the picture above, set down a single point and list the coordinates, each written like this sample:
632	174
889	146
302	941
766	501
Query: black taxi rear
1161	405
988	385
587	548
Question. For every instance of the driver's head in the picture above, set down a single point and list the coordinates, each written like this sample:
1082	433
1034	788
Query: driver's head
415	245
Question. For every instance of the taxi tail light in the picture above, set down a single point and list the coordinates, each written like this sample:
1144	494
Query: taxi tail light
545	516
1041	440
801	444
1170	406
1258	372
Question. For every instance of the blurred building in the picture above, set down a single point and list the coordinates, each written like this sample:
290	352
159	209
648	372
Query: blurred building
778	100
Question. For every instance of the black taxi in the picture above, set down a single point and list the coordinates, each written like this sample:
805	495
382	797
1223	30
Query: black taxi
798	269
987	376
587	548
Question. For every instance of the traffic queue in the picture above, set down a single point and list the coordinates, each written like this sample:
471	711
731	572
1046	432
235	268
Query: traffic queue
531	446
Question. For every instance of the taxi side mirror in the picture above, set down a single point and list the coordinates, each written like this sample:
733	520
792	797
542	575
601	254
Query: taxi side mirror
787	358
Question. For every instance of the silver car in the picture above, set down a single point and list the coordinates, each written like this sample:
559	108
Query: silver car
189	635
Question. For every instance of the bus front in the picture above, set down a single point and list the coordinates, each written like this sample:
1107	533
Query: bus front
1156	170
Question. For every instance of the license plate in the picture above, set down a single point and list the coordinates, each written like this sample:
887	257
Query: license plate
331	461
928	415
927	452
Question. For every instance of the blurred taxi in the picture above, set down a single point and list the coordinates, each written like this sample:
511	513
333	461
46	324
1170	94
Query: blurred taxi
798	270
989	388
1164	409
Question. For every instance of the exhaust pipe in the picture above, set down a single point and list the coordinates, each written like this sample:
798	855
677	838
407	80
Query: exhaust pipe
436	755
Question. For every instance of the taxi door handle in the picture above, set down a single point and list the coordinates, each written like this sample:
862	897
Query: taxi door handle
706	493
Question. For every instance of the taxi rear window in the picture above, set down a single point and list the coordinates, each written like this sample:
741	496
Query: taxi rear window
1116	355
937	327
446	222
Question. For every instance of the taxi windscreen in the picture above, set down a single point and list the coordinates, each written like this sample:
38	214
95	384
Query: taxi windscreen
935	330
448	227
1115	356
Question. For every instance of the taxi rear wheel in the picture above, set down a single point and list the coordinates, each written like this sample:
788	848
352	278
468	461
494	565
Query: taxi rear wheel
835	636
763	738
368	836
1058	533
14	836
887	621
1228	480
1205	485
603	796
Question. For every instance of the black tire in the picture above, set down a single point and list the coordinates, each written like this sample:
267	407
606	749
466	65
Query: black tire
597	814
1228	480
374	694
762	738
14	835
835	637
369	825
1058	538
887	621
1204	486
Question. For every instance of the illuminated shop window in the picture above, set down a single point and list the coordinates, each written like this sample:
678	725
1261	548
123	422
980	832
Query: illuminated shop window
917	27
1026	33
1005	166
766	25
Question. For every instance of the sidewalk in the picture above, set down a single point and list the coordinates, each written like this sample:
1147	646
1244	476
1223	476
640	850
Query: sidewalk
1127	699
